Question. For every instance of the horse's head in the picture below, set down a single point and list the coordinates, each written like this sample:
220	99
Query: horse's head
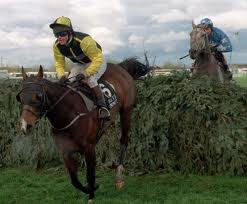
198	41
32	98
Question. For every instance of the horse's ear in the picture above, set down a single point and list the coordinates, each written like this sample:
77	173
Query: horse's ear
24	75
193	24
40	73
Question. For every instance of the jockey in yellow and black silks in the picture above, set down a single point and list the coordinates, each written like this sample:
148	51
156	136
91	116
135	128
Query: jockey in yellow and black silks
89	63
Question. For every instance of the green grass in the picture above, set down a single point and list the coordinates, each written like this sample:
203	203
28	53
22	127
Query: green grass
242	81
26	186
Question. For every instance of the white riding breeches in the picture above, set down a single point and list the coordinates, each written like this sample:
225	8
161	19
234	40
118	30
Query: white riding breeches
80	68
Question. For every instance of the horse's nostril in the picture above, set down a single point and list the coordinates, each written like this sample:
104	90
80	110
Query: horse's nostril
28	126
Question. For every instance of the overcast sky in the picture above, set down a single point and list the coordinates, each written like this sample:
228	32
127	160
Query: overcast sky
123	27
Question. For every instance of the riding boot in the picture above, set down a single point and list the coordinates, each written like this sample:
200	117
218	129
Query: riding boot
100	102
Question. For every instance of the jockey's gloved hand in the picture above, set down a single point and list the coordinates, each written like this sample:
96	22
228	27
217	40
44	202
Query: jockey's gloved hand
80	77
213	48
192	54
63	80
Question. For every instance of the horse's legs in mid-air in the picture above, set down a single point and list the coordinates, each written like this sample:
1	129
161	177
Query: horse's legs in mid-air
125	117
68	150
90	158
72	166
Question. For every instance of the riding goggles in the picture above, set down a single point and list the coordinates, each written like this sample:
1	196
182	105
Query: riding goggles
61	34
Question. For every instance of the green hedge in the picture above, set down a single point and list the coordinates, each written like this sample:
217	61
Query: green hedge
179	124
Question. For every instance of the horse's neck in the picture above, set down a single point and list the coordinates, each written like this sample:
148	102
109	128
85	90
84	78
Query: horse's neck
62	109
205	58
53	92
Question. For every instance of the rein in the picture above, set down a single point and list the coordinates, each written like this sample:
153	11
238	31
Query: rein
71	123
58	101
73	120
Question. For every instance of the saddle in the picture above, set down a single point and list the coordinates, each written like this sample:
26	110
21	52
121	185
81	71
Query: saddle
90	99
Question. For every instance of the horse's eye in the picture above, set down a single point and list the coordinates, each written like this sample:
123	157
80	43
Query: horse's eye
18	98
36	97
39	96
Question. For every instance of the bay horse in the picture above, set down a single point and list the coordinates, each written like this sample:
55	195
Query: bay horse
205	60
75	129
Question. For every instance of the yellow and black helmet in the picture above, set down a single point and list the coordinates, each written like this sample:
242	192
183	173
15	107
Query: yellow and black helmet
61	24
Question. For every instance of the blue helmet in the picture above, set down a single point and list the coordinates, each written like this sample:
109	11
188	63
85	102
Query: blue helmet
206	22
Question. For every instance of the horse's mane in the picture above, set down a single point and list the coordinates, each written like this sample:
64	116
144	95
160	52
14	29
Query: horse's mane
134	67
54	85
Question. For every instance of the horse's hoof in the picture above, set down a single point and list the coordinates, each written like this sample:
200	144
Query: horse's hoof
119	184
96	186
88	189
90	201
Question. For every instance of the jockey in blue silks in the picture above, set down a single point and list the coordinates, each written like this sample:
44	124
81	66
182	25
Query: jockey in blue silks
219	42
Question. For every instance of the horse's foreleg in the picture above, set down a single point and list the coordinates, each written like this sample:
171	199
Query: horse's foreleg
220	74
72	167
125	117
90	158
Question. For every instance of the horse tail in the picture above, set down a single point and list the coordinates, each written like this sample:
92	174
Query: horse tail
135	68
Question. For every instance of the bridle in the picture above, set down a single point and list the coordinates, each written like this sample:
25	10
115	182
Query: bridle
30	87
43	105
